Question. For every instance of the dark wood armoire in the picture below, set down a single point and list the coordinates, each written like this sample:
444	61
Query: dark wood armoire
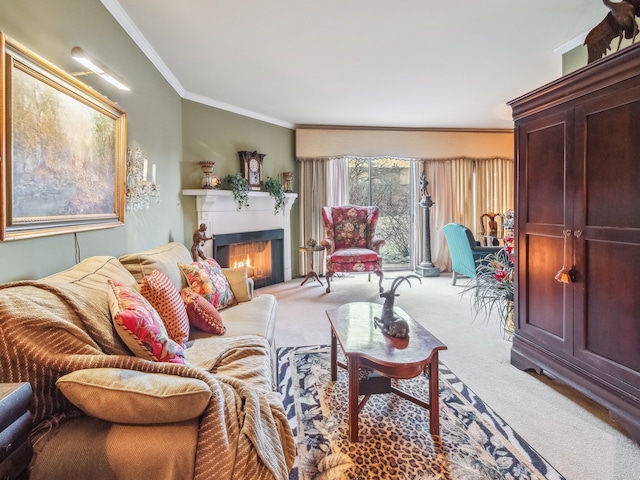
577	152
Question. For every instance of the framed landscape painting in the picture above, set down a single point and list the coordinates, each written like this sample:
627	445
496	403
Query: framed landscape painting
63	150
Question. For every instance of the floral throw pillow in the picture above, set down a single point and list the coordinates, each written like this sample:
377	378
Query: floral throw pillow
164	297
140	327
202	314
207	279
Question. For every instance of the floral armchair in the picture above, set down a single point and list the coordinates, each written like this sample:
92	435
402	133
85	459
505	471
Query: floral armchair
350	243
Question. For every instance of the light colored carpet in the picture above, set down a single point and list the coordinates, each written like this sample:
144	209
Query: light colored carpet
570	431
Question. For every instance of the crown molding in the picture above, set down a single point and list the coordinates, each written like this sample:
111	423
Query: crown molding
577	41
118	13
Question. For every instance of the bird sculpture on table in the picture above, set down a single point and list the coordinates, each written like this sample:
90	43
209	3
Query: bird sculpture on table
620	22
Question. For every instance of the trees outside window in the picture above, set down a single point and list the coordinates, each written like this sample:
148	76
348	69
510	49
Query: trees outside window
385	182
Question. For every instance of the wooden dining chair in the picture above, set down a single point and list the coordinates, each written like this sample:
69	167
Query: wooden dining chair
491	228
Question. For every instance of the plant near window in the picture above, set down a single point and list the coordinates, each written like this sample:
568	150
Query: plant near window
276	191
493	287
239	187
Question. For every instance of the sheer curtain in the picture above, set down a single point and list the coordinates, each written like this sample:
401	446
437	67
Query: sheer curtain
323	181
493	195
439	176
338	181
462	189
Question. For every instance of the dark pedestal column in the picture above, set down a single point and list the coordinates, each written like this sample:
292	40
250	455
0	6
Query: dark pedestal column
426	267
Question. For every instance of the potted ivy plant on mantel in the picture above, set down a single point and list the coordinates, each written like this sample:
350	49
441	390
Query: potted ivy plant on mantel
240	189
276	191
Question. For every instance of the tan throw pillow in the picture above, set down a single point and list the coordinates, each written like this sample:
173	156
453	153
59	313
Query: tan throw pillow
237	278
163	295
127	396
201	313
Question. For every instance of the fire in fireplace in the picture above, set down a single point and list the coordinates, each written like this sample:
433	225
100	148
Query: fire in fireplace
261	252
256	256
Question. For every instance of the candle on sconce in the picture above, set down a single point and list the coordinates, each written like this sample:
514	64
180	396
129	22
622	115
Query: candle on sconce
144	170
153	174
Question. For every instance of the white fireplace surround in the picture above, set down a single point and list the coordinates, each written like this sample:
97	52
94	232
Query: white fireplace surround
219	212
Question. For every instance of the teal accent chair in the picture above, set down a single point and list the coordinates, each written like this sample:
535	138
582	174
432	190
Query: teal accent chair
464	250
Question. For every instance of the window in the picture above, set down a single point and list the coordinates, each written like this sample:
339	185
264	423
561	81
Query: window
385	182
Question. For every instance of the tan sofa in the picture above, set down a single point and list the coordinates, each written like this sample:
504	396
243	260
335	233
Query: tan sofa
218	417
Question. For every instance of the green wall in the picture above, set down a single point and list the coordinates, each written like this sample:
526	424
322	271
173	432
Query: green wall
51	29
211	134
175	135
574	59
577	58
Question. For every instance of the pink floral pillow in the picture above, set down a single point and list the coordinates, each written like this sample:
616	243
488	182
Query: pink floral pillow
202	314
140	327
163	295
207	279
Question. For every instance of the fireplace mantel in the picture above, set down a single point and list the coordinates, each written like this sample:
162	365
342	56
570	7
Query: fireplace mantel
219	212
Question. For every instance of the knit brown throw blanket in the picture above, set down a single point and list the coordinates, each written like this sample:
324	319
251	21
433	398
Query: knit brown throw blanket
49	328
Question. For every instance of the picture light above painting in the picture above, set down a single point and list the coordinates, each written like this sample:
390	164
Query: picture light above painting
95	66
62	158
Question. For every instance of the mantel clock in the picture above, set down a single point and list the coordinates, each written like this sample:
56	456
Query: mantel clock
251	165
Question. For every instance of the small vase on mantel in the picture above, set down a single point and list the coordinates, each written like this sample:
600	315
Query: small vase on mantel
209	180
287	177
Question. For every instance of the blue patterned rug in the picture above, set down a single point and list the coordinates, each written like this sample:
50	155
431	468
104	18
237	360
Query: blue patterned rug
475	443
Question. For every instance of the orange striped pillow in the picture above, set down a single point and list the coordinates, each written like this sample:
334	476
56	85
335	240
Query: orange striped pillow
162	294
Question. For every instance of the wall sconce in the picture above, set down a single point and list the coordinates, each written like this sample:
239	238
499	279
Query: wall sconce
98	68
139	191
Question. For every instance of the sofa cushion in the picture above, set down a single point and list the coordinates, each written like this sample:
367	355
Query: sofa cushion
238	281
201	313
164	258
163	295
140	327
257	317
206	278
93	273
88	447
132	397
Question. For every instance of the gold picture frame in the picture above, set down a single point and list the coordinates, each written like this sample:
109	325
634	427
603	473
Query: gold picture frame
62	153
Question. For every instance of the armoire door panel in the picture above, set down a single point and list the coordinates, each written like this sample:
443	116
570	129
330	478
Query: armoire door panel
612	166
545	173
611	303
545	306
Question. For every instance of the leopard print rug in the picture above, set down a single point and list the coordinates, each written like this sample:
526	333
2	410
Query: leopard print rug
474	444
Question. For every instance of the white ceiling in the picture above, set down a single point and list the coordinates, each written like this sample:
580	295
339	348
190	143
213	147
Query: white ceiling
402	63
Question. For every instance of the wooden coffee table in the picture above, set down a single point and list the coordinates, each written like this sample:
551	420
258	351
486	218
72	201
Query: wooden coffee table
365	346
